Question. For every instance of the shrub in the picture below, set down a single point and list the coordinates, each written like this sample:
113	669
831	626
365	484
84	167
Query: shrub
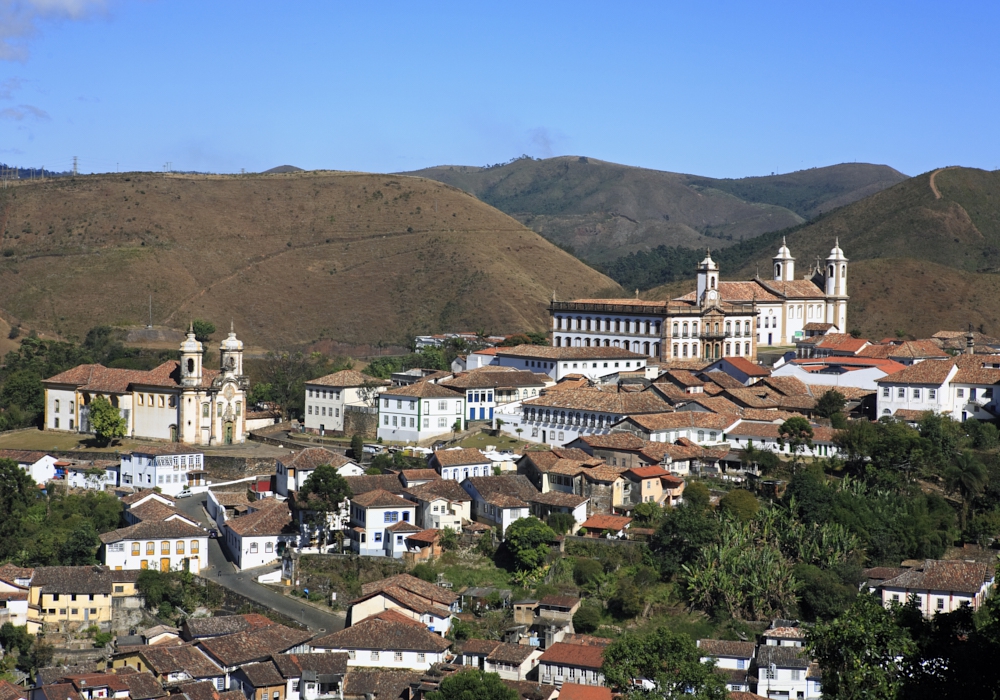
561	523
740	503
587	619
586	571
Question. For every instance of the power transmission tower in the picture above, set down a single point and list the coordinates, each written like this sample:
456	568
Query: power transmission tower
75	171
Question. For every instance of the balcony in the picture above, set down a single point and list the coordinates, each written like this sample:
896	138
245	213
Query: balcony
714	335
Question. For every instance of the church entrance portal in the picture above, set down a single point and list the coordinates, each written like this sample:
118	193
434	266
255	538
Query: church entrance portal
173	433
229	433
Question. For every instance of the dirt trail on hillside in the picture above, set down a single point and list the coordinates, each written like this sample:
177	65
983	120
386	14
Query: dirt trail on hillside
934	189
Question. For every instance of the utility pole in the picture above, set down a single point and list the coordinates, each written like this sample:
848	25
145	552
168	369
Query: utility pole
75	171
150	326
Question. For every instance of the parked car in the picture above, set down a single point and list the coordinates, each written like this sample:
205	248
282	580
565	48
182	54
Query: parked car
184	494
213	534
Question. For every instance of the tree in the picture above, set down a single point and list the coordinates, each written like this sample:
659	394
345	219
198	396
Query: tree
106	421
527	541
765	460
17	493
647	513
685	531
739	503
824	594
473	684
829	403
323	494
203	330
369	390
561	523
81	546
697	495
587	571
668	659
23	389
587	619
448	539
967	477
797	433
861	653
357	447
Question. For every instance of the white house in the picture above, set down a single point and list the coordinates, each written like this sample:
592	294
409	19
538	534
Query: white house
697	426
166	545
962	388
292	472
512	662
418	411
166	468
766	436
732	660
380	522
95	476
260	536
595	363
489	387
39	466
312	676
940	586
377	643
782	672
327	398
833	372
500	500
561	416
441	504
459	463
408	599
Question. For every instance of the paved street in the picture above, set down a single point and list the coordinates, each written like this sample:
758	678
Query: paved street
245	583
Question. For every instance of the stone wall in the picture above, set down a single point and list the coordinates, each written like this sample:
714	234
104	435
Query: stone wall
601	498
361	423
224	467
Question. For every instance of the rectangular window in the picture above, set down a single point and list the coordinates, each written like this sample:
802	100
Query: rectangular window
268	546
164	548
135	549
253	547
385	420
796	674
397	656
180	546
932	394
421	657
916	393
901	393
960	393
741	664
374	656
150	548
940	603
442	405
194	546
295	686
351	654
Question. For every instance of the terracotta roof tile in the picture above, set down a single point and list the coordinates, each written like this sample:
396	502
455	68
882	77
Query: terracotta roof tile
940	575
548	352
414	585
347	378
423	390
253	645
461	456
725	647
380	499
575	691
312	457
373	482
154	529
382	635
620	403
684	419
198	627
270	518
606	522
483	379
932	372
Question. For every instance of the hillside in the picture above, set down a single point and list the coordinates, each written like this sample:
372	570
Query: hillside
603	210
923	258
290	258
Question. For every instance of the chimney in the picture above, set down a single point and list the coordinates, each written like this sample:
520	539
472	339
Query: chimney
970	343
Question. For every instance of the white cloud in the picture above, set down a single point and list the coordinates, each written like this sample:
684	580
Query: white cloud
22	112
19	21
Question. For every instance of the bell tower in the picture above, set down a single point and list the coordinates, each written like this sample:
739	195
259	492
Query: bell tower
708	277
231	353
835	277
191	354
784	264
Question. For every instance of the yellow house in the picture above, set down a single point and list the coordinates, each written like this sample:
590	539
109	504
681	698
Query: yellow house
66	597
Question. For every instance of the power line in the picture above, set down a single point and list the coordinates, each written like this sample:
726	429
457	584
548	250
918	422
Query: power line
75	170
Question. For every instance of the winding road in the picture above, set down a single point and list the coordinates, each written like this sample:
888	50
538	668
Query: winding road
245	582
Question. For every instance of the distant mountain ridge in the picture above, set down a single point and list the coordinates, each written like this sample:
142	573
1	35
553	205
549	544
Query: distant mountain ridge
603	210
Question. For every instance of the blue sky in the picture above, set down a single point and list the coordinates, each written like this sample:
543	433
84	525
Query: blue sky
725	89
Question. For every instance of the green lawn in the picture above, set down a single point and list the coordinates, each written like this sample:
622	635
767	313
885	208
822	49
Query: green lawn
51	440
504	442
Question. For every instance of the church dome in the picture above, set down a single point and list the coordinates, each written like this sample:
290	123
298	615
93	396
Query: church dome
783	252
232	343
836	253
708	263
191	344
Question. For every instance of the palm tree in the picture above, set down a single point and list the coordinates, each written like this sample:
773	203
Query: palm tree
967	477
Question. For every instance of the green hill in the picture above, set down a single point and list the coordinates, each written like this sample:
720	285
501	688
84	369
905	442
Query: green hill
602	210
925	254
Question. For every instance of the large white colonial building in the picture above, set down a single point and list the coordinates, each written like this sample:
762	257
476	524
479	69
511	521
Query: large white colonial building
178	401
718	319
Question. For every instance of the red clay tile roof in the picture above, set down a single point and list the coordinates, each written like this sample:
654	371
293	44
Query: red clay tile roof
417	586
168	659
575	691
9	691
57	691
423	390
684	419
548	352
614	523
429	536
231	498
154	529
72	579
420	474
312	457
271	518
508	491
530	690
383	635
347	378
621	403
614	441
448	489
576	655
559	499
253	645
490	377
772	431
646	472
559	601
331	664
504	653
461	456
747	367
382	684
725	647
153	511
372	482
9	573
198	627
263	674
910	415
940	575
380	499
932	372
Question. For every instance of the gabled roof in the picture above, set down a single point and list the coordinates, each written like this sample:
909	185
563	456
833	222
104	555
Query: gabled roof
382	684
460	457
380	499
931	372
293	665
271	518
491	377
782	657
448	489
747	367
725	647
198	627
620	403
676	420
382	635
72	579
262	674
772	431
575	691
508	491
548	352
373	482
170	659
614	523
154	529
424	390
414	585
581	656
312	457
253	645
943	575
133	498
347	378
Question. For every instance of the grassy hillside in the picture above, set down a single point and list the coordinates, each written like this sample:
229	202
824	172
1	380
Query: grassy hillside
290	257
923	258
603	210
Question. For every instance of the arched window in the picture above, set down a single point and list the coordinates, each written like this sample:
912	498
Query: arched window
618	326
843	271
645	348
746	348
729	327
627	326
777	270
635	346
747	327
676	329
578	343
617	344
676	348
717	328
190	365
694	329
656	349
588	323
831	272
684	330
607	324
586	342
562	417
558	342
607	342
694	350
685	350
729	349
57	405
737	348
559	323
712	281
